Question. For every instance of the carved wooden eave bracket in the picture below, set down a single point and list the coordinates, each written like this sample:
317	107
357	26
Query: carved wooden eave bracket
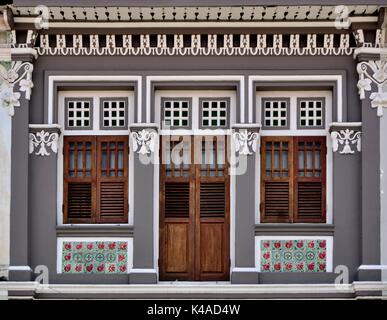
43	139
346	137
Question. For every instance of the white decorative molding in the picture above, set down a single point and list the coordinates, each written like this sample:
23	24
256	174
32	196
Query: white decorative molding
373	72
144	141
245	142
132	46
346	138
18	73
42	140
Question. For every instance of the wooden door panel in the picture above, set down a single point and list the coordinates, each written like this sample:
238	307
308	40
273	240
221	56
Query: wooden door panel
211	247
177	248
194	211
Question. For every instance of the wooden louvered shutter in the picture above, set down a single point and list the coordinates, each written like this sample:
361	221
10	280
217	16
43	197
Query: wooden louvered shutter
112	178
309	176
276	179
79	180
176	208
212	204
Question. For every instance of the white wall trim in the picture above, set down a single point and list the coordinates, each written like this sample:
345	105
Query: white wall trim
139	270
20	268
220	78
329	247
69	78
60	241
294	131
316	78
96	131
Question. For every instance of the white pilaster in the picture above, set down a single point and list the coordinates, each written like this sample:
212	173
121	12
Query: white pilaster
5	187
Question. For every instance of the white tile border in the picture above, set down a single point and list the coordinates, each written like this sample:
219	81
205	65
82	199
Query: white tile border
60	241
329	247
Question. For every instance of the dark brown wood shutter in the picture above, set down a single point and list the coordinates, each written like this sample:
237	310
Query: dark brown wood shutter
310	176
276	179
79	180
112	179
95	179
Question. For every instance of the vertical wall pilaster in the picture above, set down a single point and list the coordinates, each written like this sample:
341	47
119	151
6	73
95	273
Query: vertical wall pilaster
245	142
143	146
16	85
372	79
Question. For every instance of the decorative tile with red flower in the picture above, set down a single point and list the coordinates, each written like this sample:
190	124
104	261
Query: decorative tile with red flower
303	255
99	257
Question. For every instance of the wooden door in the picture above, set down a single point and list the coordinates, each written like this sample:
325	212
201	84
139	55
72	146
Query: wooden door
194	209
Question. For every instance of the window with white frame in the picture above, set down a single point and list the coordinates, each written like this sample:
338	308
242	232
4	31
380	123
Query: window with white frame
114	113
93	184
214	113
295	169
275	112
310	112
176	113
79	113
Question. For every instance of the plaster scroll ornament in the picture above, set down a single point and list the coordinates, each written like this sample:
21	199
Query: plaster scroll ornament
245	142
346	138
144	141
373	72
42	140
16	72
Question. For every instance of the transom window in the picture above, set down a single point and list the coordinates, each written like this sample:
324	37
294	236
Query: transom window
275	113
310	113
79	113
176	113
114	113
214	113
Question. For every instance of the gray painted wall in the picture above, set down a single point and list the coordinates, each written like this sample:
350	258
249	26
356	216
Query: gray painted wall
42	185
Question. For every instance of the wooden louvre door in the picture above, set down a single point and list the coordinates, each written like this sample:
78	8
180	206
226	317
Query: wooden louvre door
276	179
177	209
194	209
293	179
95	179
212	209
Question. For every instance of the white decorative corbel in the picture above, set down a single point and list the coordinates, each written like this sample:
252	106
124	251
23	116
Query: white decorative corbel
144	141
42	140
18	73
373	72
245	141
346	138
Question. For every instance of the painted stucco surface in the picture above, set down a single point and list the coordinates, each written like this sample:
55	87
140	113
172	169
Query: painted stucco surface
5	187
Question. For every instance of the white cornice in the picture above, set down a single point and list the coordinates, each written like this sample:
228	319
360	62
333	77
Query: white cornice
27	51
371	51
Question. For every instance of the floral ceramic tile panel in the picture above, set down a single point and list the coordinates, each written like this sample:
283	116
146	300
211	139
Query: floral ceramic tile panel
99	257
302	255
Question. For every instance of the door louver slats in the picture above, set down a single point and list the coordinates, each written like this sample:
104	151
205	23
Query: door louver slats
177	200
212	200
